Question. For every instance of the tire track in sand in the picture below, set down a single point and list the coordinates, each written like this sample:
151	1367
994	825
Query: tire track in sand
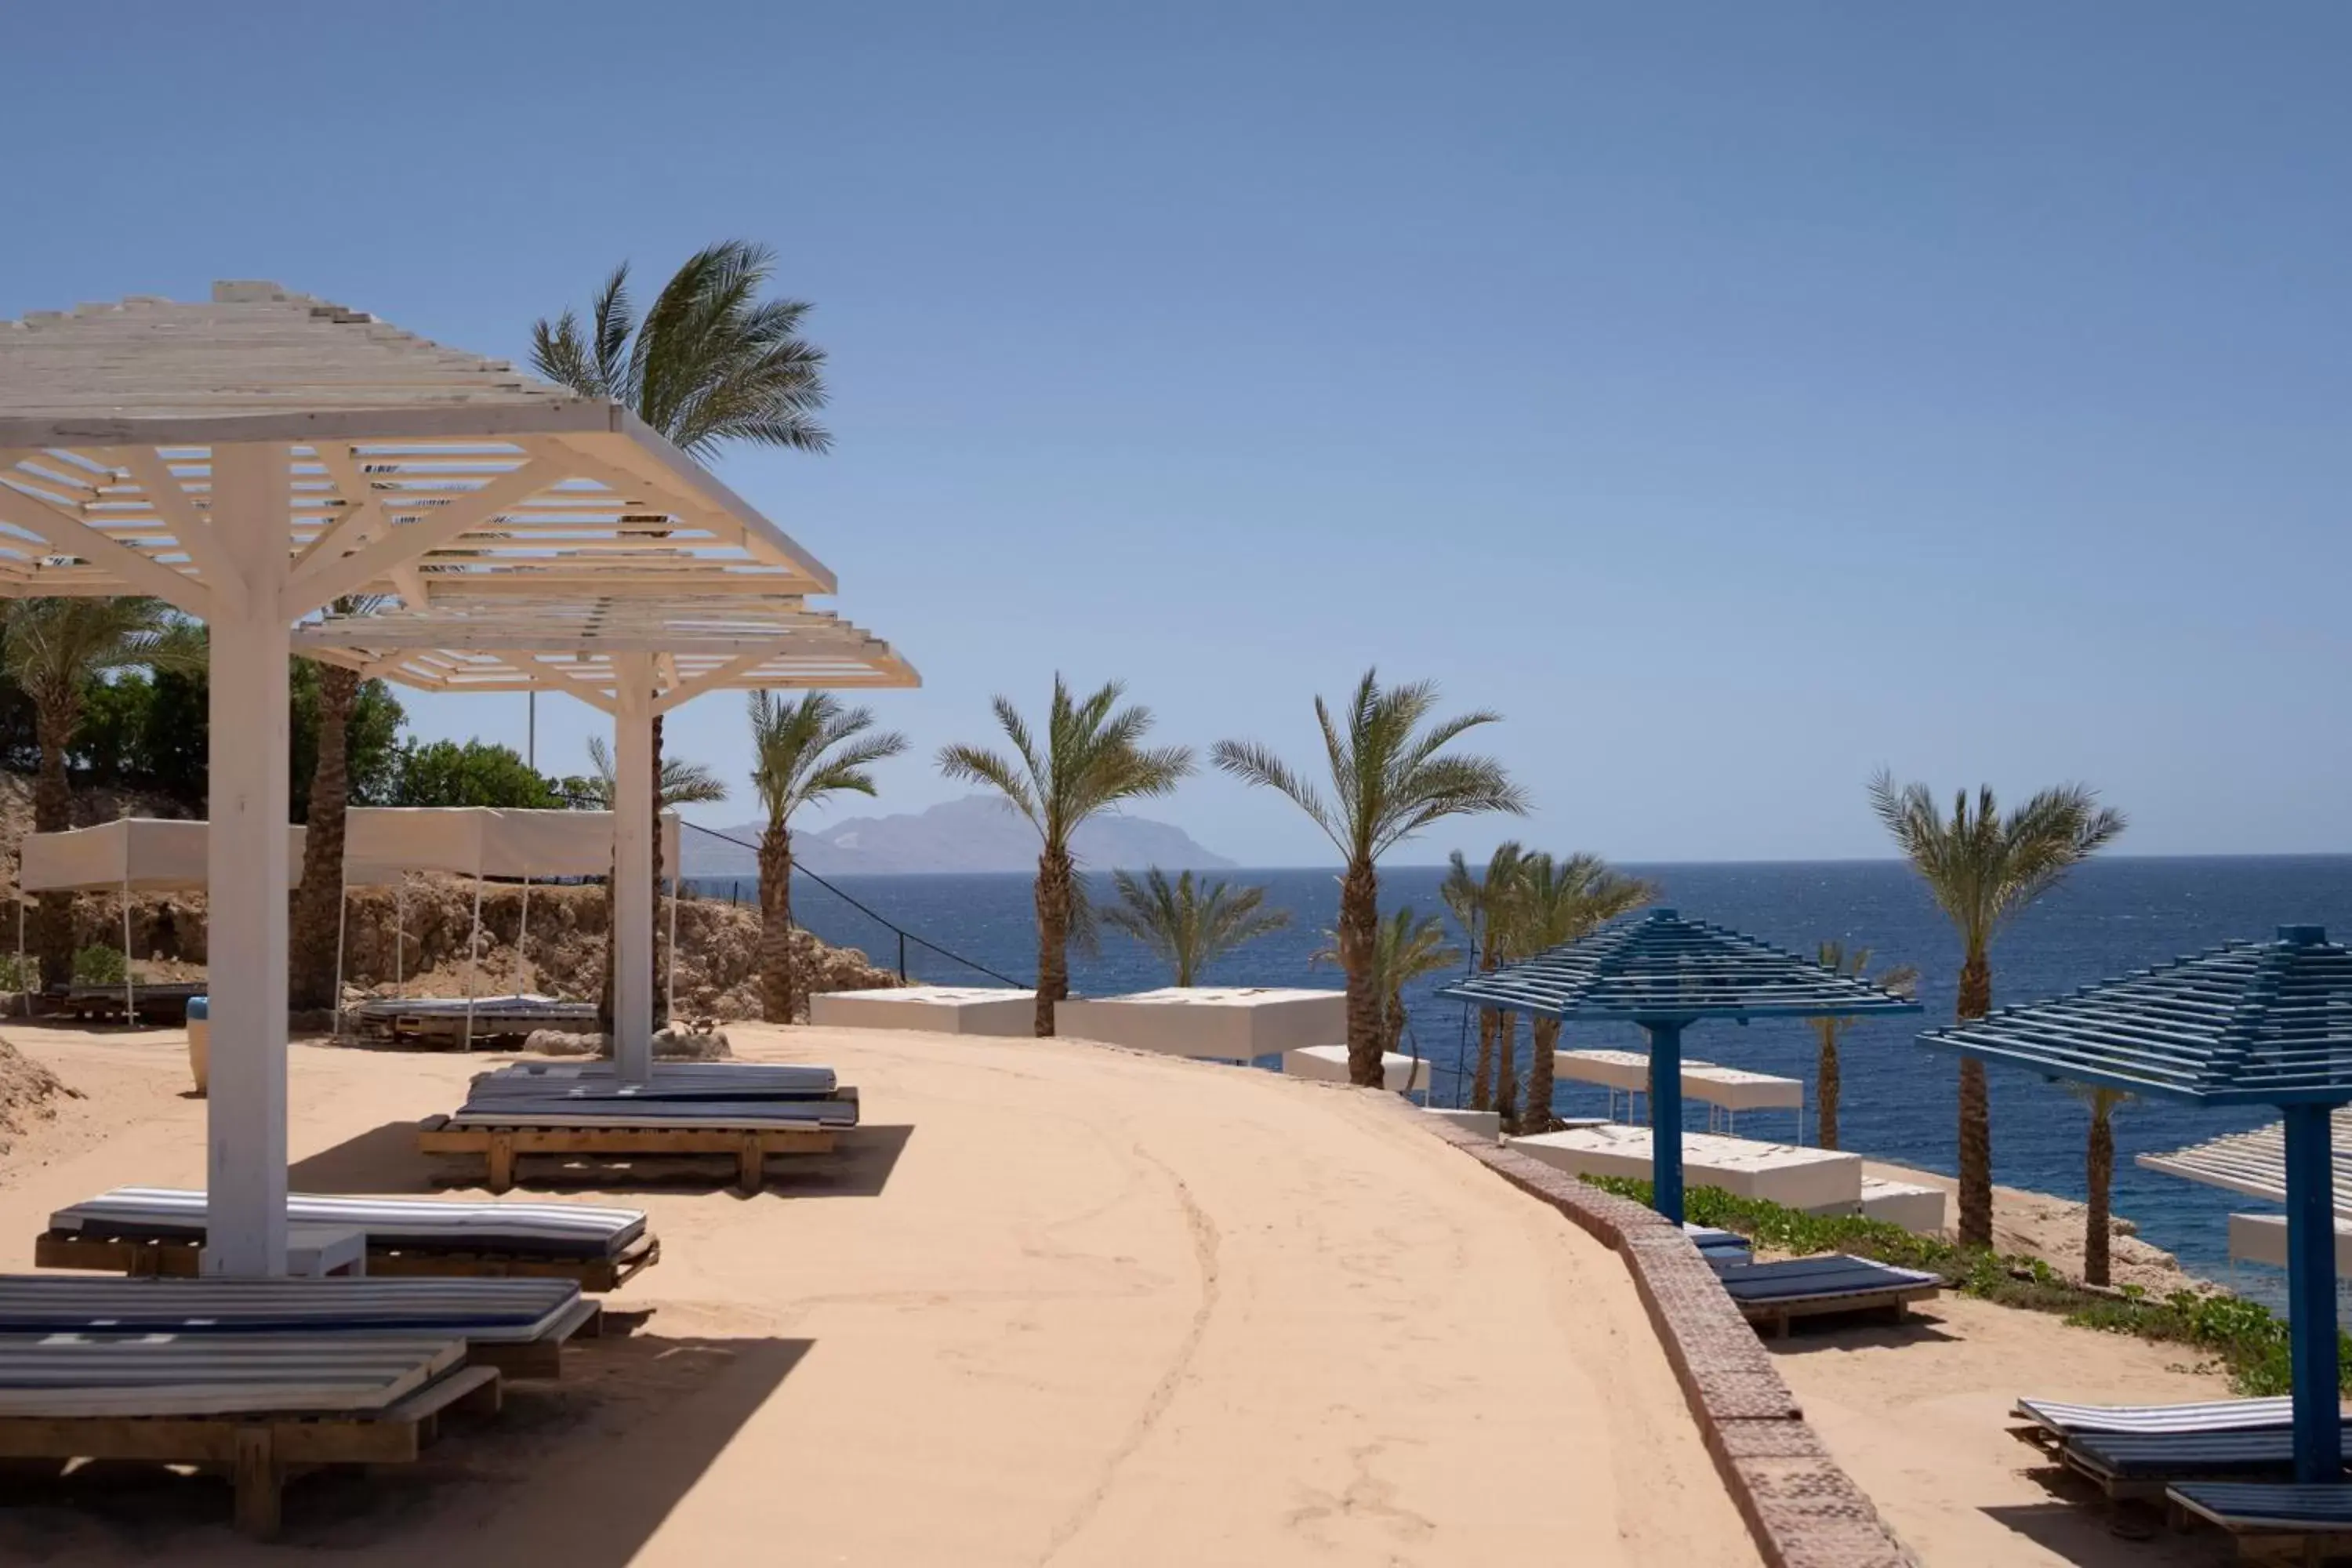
1163	1393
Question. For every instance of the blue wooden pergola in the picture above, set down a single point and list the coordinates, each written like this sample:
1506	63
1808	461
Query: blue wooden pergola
1665	973
2248	1024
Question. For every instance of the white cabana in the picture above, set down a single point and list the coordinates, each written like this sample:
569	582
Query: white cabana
256	458
130	853
2254	1163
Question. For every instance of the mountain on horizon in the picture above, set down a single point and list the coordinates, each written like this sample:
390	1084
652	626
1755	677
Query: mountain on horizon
978	832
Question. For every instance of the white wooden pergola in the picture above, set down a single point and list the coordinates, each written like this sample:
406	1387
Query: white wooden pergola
254	458
634	658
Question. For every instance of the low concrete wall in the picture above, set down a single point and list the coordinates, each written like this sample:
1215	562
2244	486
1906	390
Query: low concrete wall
1803	1510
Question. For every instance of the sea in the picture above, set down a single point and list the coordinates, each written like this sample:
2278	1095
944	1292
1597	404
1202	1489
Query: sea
1898	1101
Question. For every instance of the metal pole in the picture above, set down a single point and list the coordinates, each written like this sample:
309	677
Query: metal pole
902	958
1666	1116
522	940
669	981
2311	1296
530	730
342	922
400	937
129	990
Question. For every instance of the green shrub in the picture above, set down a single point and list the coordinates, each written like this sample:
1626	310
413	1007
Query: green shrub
17	974
99	966
2243	1337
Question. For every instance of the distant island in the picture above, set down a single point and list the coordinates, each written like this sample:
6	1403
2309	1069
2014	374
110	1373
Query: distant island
978	832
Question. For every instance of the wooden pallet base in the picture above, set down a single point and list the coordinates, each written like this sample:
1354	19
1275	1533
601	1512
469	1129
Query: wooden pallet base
501	1146
176	1257
1771	1320
259	1452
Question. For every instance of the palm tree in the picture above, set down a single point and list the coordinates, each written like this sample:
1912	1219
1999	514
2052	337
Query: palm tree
1094	758
803	751
2098	1220
1190	925
1480	903
53	649
1557	902
312	971
1982	868
1902	980
1388	783
711	363
1405	947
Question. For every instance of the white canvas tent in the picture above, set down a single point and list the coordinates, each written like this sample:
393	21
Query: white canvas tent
130	853
254	458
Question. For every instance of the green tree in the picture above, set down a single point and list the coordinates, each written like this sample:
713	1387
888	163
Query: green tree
802	752
1983	868
1902	980
1555	901
1190	925
1093	759
475	772
1480	903
1388	783
1405	947
708	365
52	648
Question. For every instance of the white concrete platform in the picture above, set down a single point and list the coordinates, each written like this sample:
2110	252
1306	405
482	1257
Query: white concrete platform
2262	1238
1918	1209
1785	1173
1330	1063
1733	1089
941	1009
1479	1123
1221	1023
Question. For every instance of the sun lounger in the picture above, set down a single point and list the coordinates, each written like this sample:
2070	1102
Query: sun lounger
671	1080
2143	1463
519	1326
258	1406
501	1127
2298	1519
160	1230
1720	1245
1769	1295
2047	1423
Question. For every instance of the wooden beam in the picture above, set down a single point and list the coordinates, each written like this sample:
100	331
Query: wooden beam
363	515
323	582
69	536
687	691
191	529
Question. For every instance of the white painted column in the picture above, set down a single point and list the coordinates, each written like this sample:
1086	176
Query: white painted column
245	1170
632	870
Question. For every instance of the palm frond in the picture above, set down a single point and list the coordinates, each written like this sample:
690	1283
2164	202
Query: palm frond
972	764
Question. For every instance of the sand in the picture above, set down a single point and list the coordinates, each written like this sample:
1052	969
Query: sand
1061	1305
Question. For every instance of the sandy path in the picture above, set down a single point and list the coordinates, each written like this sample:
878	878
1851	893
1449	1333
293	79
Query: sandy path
1064	1306
1918	1415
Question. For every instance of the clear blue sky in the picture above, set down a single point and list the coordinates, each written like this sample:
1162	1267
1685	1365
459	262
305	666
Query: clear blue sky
1737	398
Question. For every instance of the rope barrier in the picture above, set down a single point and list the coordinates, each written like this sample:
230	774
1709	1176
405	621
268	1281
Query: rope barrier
904	935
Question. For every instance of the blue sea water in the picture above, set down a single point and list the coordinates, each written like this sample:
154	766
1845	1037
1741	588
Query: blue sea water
1898	1102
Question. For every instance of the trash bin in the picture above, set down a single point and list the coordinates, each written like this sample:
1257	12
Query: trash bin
200	1036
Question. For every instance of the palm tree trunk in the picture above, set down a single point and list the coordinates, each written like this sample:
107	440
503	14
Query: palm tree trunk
1506	1073
1053	873
1392	1026
1482	1082
1826	1088
2102	1176
778	1001
53	924
318	900
1545	1036
1360	920
1976	1113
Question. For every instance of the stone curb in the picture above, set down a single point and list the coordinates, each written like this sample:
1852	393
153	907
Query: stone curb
1803	1510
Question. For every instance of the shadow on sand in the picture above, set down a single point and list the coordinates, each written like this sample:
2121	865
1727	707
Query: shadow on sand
580	1472
2091	1534
385	1159
1831	1333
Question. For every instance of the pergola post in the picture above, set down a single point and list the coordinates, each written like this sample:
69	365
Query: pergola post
246	868
2311	1295
1666	1116
632	867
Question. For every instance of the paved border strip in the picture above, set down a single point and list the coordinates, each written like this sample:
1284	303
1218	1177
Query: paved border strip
1803	1510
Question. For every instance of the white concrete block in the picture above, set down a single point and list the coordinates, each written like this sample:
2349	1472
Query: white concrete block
1222	1023
1479	1123
1785	1173
1330	1063
941	1009
1918	1209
